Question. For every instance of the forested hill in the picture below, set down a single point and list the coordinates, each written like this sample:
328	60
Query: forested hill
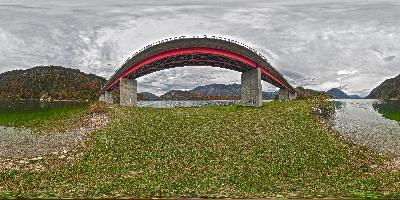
388	89
55	82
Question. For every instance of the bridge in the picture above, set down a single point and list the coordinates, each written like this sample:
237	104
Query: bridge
180	52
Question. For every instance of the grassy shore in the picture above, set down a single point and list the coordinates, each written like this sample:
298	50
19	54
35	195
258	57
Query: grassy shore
279	150
45	120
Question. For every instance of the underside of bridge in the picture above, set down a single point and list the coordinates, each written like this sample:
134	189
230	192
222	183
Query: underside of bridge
198	52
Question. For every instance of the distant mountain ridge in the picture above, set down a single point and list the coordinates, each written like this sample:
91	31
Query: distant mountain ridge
180	95
269	95
230	90
147	96
388	89
305	93
209	92
50	82
339	94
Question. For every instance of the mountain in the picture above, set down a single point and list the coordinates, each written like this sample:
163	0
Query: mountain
304	93
50	82
222	91
354	97
269	95
179	95
147	96
231	90
336	93
388	89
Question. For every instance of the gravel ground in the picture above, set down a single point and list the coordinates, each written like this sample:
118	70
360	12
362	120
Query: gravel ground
19	146
22	143
358	121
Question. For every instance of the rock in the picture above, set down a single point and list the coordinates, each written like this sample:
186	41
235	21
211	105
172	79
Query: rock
37	158
23	162
45	97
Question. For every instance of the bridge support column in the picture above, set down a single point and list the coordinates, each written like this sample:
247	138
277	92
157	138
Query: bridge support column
102	98
284	95
292	95
250	88
128	92
108	97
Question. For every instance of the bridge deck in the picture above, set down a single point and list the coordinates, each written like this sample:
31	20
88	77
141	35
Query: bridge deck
196	52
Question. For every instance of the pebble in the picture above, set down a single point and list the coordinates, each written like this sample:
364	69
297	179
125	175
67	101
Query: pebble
37	158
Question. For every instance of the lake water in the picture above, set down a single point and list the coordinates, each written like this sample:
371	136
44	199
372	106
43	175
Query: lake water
28	105
371	123
35	105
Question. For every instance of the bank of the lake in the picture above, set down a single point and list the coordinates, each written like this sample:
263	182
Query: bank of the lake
228	151
42	116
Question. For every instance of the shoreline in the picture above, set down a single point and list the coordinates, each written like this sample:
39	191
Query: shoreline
25	148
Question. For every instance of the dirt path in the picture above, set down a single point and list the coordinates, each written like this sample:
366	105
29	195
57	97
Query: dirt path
19	147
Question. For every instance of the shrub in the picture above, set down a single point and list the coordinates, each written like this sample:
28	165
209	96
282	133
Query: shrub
97	107
321	106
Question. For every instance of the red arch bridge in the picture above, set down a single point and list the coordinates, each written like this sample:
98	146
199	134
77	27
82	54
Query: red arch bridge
198	52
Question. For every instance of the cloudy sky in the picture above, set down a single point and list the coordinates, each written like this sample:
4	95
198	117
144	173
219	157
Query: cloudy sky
320	44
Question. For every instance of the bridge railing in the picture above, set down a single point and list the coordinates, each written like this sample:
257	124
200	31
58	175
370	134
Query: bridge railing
203	36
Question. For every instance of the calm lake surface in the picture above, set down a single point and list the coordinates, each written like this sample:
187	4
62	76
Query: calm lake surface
29	105
35	105
369	122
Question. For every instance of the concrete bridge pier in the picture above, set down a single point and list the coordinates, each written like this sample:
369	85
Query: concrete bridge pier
285	95
292	95
102	98
128	92
108	97
250	88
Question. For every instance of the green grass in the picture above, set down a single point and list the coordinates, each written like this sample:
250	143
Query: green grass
279	150
47	119
389	110
391	114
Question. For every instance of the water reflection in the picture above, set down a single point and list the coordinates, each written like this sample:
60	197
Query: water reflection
389	109
366	122
35	105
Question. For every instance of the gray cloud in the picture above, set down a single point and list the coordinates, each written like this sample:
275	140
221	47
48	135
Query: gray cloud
318	44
